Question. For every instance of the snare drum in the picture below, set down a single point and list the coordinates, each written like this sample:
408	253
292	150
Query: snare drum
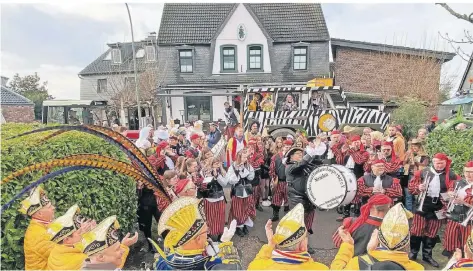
331	186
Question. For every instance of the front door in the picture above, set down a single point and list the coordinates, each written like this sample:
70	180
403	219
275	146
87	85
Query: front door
199	108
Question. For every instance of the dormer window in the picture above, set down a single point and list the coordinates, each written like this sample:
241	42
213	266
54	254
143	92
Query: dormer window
116	56
140	53
150	53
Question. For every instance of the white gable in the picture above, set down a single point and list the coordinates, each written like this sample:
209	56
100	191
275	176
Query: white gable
229	36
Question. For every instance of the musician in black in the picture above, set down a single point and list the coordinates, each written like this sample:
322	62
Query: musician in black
298	168
429	184
461	201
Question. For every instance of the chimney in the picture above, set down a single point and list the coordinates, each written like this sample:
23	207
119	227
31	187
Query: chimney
4	81
151	36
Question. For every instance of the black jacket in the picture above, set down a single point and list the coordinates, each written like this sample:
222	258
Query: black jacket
297	174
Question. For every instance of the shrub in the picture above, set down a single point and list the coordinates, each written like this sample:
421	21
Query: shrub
458	145
99	193
411	115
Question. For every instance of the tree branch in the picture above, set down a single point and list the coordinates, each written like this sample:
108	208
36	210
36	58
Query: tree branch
456	14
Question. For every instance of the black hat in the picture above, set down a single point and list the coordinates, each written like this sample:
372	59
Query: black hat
292	151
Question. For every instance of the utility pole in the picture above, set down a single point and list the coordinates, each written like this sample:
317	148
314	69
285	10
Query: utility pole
134	67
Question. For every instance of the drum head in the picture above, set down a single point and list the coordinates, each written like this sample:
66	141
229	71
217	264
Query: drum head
326	187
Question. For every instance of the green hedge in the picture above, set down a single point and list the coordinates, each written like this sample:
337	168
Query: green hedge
458	145
98	193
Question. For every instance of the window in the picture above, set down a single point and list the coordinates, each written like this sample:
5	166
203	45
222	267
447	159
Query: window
186	60
228	59
116	56
101	85
150	53
255	57
129	82
288	101
300	58
140	53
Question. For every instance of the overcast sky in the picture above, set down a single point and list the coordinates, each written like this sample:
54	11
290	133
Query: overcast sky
58	40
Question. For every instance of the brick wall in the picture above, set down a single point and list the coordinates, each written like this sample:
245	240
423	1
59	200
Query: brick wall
388	75
18	113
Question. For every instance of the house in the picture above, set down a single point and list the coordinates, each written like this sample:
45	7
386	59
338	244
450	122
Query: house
210	51
15	108
388	71
110	78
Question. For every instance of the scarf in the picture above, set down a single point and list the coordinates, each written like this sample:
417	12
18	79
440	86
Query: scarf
378	183
350	163
433	190
289	257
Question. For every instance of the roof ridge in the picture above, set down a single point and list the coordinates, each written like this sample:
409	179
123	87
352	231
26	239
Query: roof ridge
391	46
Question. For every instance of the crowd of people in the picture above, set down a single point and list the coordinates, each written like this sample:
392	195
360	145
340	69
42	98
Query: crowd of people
384	227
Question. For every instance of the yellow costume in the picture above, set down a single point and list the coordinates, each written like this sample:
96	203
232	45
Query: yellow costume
290	231
393	237
184	219
102	237
65	257
37	245
462	264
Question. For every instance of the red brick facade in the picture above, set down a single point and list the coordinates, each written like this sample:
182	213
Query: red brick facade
387	74
18	113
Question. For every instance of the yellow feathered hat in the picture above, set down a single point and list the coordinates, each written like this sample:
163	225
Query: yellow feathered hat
65	225
184	218
291	229
35	201
394	230
103	236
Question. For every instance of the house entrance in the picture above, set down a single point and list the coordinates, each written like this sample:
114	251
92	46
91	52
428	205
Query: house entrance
199	108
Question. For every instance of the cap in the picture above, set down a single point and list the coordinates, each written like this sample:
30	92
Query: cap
103	236
394	230
184	218
291	229
194	136
35	201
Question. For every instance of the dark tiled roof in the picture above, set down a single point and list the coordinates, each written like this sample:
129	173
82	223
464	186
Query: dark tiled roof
446	56
288	22
101	66
9	97
199	23
191	23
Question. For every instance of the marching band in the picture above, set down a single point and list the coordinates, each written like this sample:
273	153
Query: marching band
182	185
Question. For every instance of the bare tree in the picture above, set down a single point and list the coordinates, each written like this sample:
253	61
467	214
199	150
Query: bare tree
120	88
467	39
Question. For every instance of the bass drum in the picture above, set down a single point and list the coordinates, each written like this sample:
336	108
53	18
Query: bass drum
329	187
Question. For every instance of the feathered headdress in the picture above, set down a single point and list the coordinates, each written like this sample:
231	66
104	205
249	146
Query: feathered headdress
140	168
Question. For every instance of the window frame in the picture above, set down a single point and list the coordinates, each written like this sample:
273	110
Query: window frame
235	57
119	56
248	57
129	81
186	57
140	50
300	46
99	89
153	53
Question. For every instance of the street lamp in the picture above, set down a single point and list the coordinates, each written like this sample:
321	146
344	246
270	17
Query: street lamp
134	67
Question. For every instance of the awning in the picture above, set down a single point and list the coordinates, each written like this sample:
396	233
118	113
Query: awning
459	100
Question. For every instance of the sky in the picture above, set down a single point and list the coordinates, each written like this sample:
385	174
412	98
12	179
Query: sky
59	40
